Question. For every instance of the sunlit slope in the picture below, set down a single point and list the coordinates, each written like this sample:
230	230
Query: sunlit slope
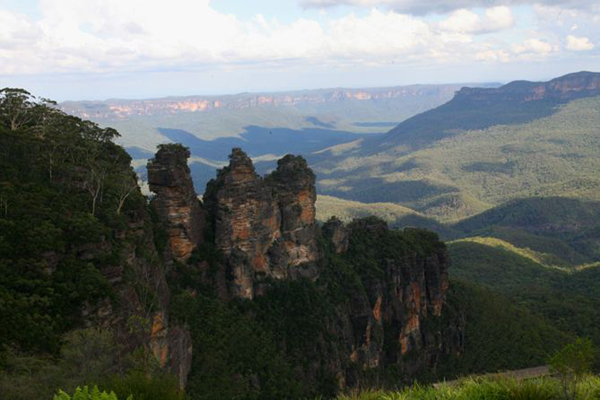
563	232
346	210
462	175
395	215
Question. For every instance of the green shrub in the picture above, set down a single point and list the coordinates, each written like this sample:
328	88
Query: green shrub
571	364
86	394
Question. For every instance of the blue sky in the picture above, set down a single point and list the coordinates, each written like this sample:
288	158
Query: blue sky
97	49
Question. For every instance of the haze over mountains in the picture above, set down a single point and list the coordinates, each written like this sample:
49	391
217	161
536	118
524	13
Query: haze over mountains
266	125
473	151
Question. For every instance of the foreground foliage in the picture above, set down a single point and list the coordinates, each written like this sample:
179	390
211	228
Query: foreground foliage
570	364
486	388
87	357
87	394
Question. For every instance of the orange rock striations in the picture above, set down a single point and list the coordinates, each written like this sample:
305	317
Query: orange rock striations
265	227
176	201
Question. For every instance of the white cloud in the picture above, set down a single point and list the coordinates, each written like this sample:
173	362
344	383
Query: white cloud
466	21
109	35
137	35
575	43
535	46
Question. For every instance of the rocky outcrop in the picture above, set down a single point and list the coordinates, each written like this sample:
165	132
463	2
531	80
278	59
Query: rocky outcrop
264	227
293	185
176	201
393	287
337	233
138	314
393	321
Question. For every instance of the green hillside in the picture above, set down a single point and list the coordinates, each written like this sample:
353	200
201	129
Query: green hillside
563	231
499	335
472	170
395	215
569	300
345	210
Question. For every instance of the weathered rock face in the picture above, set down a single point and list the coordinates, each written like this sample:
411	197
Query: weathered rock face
564	88
176	201
393	287
337	232
393	320
264	227
293	185
140	288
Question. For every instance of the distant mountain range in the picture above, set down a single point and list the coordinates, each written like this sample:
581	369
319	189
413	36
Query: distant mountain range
458	151
142	123
481	149
322	98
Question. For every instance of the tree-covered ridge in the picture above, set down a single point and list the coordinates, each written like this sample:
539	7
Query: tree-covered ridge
515	103
78	248
64	187
568	300
474	170
556	231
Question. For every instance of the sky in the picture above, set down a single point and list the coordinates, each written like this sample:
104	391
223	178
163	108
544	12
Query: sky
99	49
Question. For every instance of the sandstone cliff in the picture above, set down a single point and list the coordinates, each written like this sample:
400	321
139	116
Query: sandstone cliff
176	201
397	319
381	291
121	109
265	227
562	89
141	318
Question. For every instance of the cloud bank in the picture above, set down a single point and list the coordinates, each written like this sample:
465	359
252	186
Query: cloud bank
104	36
420	7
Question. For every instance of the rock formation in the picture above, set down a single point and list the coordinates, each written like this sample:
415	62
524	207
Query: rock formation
176	201
392	319
265	227
139	285
265	231
337	232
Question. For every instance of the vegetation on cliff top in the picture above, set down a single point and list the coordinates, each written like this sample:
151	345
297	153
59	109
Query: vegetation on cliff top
568	300
64	189
66	192
67	197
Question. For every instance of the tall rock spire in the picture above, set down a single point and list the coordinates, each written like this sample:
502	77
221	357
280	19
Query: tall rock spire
176	201
264	227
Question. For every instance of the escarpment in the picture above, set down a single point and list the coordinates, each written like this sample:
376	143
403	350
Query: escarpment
142	316
396	314
242	296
